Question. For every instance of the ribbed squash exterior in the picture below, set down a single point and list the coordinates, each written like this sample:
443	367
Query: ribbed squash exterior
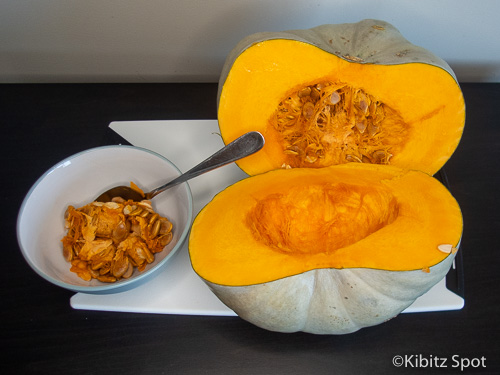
330	301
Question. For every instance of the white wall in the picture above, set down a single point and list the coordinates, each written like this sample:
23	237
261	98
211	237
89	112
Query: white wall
187	40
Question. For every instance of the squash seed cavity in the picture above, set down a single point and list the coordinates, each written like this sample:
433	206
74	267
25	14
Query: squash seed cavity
332	123
320	218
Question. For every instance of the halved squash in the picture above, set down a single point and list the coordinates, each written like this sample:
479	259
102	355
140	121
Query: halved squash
340	93
336	229
326	250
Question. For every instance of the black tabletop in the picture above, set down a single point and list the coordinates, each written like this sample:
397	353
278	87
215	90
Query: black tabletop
42	334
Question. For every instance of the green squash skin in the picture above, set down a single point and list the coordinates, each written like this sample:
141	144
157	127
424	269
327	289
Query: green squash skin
330	301
365	42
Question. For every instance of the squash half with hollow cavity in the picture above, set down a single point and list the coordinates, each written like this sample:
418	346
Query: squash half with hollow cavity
342	93
328	250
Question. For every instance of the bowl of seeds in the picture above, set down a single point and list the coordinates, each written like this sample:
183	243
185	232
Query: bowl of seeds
82	245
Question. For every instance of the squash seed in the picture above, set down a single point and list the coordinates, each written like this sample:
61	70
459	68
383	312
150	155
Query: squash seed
165	239
106	278
306	91
153	218
447	248
361	126
166	226
335	97
129	272
146	204
290	151
135	212
308	110
112	205
155	228
365	159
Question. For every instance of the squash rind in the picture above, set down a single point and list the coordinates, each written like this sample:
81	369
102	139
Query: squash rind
330	301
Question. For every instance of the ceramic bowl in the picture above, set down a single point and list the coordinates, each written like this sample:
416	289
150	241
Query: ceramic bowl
77	181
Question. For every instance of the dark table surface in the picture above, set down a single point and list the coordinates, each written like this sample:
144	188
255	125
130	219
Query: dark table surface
42	334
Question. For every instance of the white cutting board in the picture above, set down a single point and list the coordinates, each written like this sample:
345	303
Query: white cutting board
177	289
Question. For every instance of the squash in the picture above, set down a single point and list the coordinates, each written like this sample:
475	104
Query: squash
340	93
340	225
327	250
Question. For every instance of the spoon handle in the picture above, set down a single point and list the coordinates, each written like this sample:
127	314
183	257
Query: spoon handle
245	145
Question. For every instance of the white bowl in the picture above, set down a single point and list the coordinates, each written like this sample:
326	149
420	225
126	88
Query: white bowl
77	181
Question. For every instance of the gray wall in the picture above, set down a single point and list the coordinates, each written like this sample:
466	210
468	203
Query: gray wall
187	40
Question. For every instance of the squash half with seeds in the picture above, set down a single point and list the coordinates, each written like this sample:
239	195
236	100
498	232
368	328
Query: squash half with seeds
341	224
341	93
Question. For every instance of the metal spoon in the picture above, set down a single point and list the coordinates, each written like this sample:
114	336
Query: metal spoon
245	145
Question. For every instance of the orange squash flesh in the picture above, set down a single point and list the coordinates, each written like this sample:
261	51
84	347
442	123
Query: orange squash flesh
287	222
424	99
